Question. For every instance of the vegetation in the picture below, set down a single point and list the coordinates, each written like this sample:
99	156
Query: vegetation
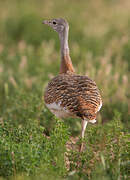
33	143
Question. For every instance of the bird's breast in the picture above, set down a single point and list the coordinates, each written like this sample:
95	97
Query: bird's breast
59	111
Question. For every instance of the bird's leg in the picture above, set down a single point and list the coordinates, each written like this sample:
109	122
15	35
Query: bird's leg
83	124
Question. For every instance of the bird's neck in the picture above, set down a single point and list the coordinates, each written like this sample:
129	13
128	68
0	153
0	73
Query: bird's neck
66	63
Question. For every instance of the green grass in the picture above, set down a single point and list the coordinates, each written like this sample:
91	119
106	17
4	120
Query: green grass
32	141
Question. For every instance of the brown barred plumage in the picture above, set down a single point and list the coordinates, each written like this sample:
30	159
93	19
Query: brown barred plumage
68	94
77	94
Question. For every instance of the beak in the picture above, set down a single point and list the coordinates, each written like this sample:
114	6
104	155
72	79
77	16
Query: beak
45	22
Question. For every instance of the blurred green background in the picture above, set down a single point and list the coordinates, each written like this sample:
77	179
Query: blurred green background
99	41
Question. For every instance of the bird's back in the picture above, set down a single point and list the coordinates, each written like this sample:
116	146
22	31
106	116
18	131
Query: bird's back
71	95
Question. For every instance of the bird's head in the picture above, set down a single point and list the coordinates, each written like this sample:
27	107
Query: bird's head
59	24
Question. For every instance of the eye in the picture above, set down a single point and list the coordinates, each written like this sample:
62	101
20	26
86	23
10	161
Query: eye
54	22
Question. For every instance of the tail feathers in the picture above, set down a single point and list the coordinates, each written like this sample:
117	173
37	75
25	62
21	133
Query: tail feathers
92	121
90	116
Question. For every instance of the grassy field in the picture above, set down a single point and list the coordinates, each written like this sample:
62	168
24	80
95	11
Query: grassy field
33	143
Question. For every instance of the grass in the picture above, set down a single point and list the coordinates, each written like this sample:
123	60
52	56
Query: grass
33	143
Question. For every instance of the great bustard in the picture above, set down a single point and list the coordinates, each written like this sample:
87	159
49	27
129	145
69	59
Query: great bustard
69	94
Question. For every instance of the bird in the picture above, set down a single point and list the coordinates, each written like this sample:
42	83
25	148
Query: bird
69	94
